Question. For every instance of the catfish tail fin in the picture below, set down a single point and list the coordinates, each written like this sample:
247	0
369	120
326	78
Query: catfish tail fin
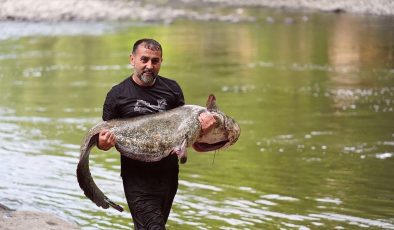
113	204
85	178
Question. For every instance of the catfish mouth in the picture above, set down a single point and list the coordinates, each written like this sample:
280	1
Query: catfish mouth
206	147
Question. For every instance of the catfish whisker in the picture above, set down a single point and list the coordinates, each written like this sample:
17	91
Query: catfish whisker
214	156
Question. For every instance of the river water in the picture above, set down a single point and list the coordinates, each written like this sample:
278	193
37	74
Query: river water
313	93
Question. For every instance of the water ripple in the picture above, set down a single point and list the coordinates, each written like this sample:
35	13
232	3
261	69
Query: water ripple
358	221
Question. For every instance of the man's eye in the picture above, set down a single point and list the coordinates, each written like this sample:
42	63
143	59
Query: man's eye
144	60
155	61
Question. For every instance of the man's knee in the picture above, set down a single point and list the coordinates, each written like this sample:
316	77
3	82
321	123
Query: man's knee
156	226
147	215
151	224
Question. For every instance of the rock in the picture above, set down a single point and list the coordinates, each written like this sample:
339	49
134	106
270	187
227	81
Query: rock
103	10
22	220
168	10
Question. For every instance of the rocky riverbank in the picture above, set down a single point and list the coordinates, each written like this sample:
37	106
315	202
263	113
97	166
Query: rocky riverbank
169	10
104	10
22	220
376	7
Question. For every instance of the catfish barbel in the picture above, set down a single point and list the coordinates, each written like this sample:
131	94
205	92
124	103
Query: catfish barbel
152	137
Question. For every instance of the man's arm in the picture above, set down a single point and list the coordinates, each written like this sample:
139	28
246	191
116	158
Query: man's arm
106	139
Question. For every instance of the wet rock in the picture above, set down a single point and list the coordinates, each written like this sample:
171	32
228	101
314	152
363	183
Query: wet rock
22	220
5	208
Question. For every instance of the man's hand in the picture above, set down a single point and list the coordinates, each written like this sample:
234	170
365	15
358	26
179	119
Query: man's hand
207	121
106	140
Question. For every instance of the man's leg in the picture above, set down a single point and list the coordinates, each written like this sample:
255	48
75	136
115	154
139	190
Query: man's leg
168	196
145	207
146	213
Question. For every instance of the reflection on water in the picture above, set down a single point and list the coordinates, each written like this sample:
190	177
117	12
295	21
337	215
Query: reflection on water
15	29
314	98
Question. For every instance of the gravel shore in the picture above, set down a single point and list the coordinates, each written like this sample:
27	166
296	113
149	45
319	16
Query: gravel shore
168	10
22	220
103	10
377	7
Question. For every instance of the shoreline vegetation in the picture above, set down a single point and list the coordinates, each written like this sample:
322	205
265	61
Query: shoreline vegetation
169	10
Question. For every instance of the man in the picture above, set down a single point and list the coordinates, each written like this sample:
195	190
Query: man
149	188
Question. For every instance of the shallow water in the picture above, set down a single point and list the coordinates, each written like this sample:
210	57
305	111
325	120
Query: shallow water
313	93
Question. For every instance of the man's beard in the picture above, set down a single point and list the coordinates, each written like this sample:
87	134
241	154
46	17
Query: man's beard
148	80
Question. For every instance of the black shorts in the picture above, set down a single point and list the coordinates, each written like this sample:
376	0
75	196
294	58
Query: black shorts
149	196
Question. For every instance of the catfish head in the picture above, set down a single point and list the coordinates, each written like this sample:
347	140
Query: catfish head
224	133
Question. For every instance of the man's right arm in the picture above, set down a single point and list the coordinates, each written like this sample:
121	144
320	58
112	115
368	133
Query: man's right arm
106	139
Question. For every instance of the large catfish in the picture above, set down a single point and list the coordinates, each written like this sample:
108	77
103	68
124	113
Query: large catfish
152	137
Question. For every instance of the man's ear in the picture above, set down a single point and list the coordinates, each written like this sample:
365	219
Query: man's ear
131	58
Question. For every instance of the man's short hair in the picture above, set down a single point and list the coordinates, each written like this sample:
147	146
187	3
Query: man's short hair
149	44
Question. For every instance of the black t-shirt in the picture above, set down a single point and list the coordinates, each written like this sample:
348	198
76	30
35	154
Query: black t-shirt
128	99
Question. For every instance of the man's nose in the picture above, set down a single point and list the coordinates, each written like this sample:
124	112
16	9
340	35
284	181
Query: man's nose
149	65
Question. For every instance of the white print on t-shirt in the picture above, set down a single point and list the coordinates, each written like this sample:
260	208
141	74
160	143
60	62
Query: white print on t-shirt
145	107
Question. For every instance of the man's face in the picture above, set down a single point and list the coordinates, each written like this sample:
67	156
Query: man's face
146	64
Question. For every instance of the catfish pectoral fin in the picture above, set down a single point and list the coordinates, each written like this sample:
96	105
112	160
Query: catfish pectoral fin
183	160
183	152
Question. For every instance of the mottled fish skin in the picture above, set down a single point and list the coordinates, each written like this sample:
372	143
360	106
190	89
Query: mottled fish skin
152	137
